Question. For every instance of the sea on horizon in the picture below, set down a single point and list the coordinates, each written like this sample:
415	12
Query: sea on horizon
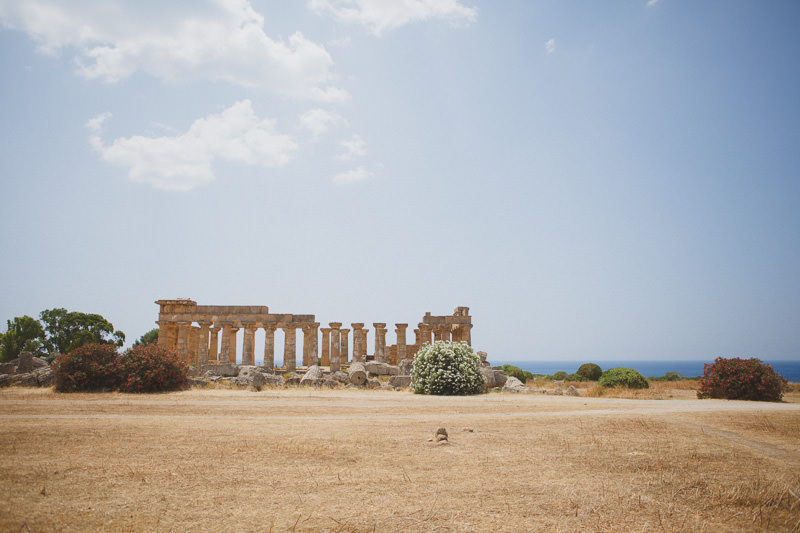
788	369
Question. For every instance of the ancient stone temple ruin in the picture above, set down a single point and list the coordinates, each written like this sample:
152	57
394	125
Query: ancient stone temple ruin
207	334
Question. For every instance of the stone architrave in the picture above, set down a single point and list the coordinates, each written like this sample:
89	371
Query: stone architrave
400	330
289	348
380	341
269	347
183	340
248	356
202	346
335	346
358	346
326	346
344	345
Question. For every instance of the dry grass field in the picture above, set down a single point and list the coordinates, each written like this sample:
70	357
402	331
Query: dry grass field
316	460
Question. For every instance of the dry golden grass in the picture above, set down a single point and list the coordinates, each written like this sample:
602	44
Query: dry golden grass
307	460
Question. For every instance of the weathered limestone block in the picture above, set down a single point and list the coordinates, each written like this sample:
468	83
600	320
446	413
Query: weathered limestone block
357	374
251	380
293	379
405	367
24	380
8	368
500	378
44	376
312	375
273	380
5	380
558	391
374	383
25	364
331	383
228	370
572	391
377	368
341	377
400	382
512	384
488	375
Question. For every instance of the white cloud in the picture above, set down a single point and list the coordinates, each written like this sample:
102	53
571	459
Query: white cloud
318	121
217	40
355	147
182	162
357	174
651	3
382	15
550	46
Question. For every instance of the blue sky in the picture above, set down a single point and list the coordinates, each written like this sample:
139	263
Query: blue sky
595	180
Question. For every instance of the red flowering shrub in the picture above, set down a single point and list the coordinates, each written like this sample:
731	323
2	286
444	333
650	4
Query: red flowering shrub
88	367
152	368
741	379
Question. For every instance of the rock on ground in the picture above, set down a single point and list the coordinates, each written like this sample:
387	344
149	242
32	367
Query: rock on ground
44	376
5	380
405	367
251	380
228	370
312	375
512	384
381	369
572	391
357	374
400	382
273	379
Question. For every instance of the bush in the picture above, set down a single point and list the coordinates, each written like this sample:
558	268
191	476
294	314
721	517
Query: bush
560	375
151	368
514	371
590	371
741	379
669	376
446	368
623	377
86	368
576	377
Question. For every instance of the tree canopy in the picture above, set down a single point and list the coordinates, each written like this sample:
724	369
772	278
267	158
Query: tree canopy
24	334
151	337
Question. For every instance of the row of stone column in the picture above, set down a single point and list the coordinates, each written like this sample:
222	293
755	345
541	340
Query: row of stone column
201	343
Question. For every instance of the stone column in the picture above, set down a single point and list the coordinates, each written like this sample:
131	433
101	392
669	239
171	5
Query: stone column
289	348
314	350
248	357
326	346
163	335
269	347
171	334
364	333
437	333
232	350
225	349
466	335
425	332
183	341
308	330
358	345
202	347
344	344
380	341
446	333
335	346
400	330
213	346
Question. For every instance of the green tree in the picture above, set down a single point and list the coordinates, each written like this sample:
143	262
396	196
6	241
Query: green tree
68	330
151	337
24	334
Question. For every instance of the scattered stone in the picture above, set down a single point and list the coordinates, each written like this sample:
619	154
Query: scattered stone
488	376
357	374
331	383
440	434
386	386
558	383
38	362
558	391
228	370
500	378
44	376
400	382
512	384
8	368
312	376
246	370
468	429
374	383
5	380
293	379
444	442
273	380
24	380
341	377
194	372
482	356
201	383
25	364
572	391
250	379
381	369
405	367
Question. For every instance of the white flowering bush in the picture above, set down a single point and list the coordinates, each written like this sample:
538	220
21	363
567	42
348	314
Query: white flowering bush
447	368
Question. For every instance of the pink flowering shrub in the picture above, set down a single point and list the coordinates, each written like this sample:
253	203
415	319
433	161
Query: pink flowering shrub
152	368
741	379
86	368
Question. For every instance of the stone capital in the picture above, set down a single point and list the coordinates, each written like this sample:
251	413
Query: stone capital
335	325
357	325
379	325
